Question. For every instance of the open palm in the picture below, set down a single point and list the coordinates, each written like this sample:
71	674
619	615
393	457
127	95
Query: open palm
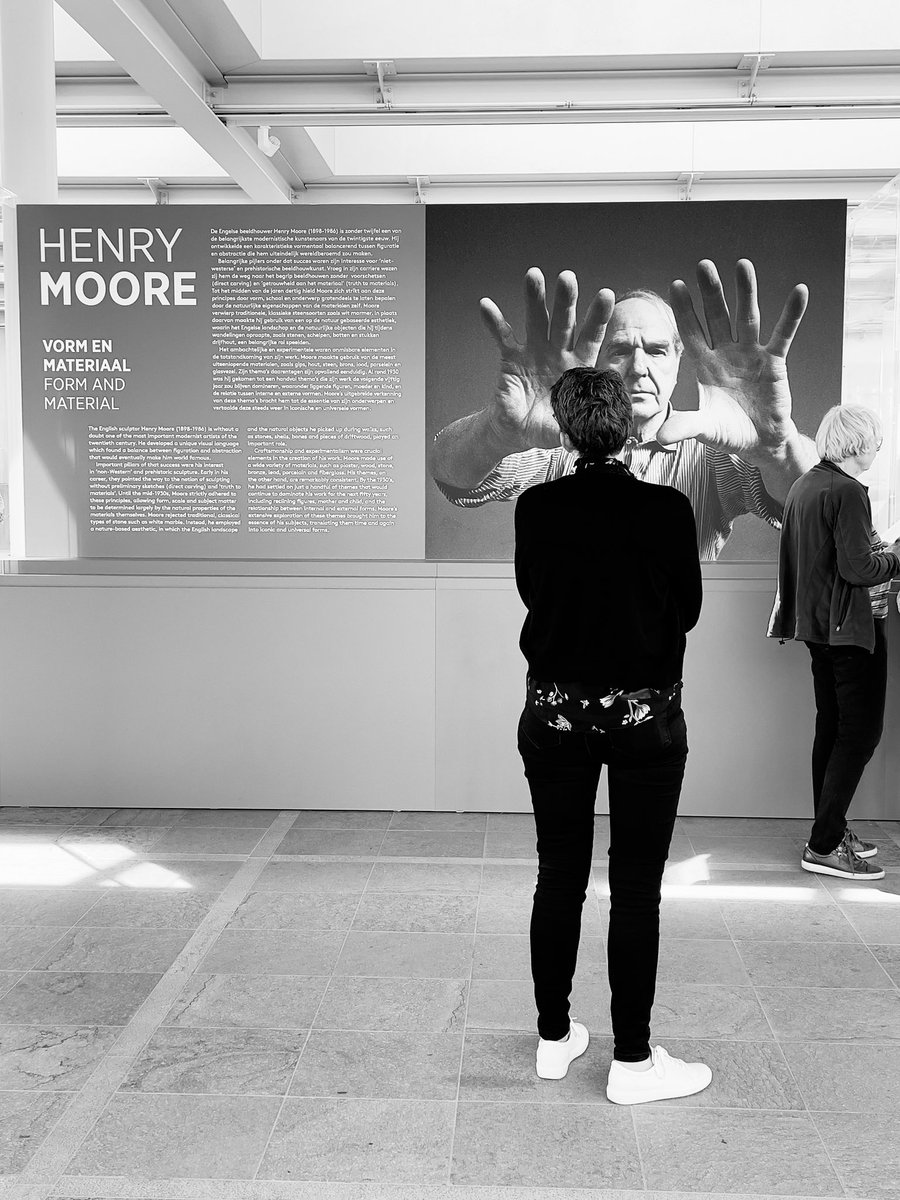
745	397
520	407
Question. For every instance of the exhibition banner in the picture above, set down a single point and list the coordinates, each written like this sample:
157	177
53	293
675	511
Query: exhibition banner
321	382
241	383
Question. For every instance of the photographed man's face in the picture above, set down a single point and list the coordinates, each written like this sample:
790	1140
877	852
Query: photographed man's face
639	344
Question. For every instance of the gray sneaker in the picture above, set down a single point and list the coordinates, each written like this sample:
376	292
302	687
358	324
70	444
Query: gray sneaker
841	861
860	848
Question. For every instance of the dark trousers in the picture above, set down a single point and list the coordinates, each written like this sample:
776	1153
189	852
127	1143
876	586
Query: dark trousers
850	685
646	767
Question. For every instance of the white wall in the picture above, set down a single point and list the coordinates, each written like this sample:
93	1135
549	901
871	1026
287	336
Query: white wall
359	691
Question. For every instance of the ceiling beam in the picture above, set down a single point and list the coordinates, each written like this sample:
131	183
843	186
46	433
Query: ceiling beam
492	98
139	44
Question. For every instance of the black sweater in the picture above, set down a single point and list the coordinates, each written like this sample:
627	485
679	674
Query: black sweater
608	568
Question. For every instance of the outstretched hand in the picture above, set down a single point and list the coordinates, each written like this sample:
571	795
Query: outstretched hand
521	416
745	398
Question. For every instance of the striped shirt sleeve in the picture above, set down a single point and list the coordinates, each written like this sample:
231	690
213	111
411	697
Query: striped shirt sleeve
741	491
512	476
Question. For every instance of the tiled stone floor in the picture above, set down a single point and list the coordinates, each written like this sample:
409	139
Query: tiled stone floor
247	1005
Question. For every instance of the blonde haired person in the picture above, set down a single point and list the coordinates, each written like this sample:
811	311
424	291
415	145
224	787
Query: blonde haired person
833	571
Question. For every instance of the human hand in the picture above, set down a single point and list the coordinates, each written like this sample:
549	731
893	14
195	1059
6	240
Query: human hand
745	398
520	412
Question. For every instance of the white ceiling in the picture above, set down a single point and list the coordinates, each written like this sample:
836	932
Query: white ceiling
754	98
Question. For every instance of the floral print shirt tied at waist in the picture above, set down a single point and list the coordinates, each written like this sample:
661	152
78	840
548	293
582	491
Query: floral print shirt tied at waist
587	707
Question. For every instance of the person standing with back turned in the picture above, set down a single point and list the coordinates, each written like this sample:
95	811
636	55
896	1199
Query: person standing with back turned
833	574
609	571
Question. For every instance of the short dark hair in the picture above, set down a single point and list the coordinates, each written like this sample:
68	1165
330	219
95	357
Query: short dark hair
593	410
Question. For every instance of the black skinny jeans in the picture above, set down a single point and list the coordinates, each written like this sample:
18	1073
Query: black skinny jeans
850	685
646	768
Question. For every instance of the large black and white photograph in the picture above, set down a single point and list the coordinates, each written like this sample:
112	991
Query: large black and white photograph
728	385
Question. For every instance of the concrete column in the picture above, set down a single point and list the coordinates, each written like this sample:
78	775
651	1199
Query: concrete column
28	101
27	176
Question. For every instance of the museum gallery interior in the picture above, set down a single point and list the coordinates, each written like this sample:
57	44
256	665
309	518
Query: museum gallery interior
267	852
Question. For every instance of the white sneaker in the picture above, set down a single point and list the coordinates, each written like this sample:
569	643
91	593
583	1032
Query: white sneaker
667	1078
553	1058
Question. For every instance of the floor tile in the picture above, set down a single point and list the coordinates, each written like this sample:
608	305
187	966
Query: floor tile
139	839
866	828
865	1151
769	920
441	822
227	818
410	955
9	979
715	961
198	840
752	1075
272	952
847	1076
112	818
700	1011
889	828
718	1150
680	847
26	1120
417	913
362	843
16	815
545	1145
508	1005
428	1005
729	850
767	883
217	1061
508	879
382	1019
889	958
304	911
21	946
72	998
316	877
144	910
510	913
51	1058
23	835
44	906
399	843
247	1002
888	852
396	1141
849	893
691	919
876	924
88	949
805	1014
741	827
821	965
335	818
508	956
500	1066
513	823
412	1065
178	1137
504	845
156	873
425	877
